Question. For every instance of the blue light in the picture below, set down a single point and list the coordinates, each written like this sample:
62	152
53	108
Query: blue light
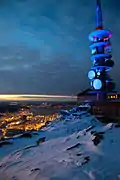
93	51
98	73
91	74
106	68
97	56
96	44
100	34
97	84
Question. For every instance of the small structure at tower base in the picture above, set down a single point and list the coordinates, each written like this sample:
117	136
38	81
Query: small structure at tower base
105	108
108	111
89	95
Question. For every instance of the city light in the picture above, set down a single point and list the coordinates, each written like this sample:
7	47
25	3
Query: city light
24	120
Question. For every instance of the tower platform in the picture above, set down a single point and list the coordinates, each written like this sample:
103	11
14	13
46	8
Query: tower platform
100	34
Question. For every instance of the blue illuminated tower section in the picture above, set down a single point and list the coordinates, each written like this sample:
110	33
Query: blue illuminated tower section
101	56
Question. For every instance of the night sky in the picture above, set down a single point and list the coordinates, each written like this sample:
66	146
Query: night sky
44	46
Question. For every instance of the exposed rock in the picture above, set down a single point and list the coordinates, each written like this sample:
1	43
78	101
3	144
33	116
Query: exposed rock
89	128
30	147
35	169
86	160
78	154
98	137
40	140
93	132
48	122
26	135
75	146
5	143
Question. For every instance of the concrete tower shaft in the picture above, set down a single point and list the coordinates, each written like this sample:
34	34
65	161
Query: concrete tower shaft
99	20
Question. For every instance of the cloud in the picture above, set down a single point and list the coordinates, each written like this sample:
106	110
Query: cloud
44	46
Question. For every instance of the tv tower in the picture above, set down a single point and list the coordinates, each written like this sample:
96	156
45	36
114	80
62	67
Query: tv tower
101	57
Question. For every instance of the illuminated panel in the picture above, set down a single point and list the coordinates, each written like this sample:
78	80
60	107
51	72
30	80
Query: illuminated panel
93	51
91	74
98	73
97	84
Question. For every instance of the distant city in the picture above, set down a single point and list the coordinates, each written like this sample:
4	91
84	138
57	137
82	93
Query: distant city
17	118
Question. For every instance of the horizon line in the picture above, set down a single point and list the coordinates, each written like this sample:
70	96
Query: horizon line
41	97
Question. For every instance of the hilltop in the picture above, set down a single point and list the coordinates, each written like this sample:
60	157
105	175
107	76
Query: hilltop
74	146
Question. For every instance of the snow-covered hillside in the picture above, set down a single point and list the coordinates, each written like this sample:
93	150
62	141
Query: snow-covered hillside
75	147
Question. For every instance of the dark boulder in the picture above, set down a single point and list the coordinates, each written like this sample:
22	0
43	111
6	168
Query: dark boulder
26	135
97	138
40	140
5	143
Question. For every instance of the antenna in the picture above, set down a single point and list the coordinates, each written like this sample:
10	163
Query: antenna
99	21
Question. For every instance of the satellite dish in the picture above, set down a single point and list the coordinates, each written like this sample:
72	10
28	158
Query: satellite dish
91	74
97	84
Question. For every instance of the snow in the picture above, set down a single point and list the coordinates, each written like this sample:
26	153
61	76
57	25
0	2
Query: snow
76	148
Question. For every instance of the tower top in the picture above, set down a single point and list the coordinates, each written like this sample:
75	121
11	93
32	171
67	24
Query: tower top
99	21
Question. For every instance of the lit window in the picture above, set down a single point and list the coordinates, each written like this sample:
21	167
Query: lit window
97	84
93	51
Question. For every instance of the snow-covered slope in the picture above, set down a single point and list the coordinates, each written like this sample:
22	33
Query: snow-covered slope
70	148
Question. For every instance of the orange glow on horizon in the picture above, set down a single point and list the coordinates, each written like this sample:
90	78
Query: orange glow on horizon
36	97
